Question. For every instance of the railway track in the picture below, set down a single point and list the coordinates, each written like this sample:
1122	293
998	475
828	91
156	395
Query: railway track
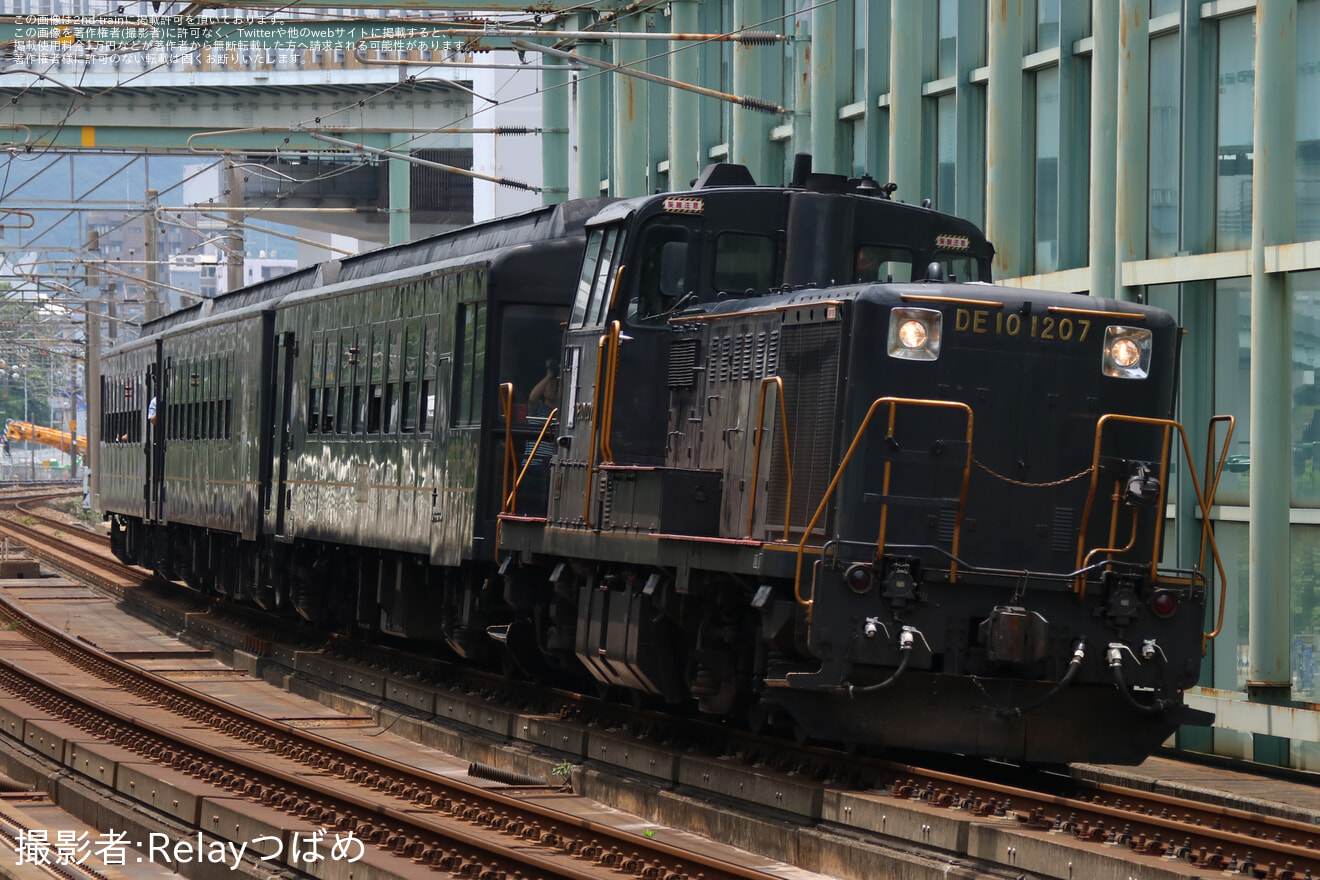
384	805
1002	826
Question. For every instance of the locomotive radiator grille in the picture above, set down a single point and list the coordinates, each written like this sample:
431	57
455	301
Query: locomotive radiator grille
808	361
683	364
739	357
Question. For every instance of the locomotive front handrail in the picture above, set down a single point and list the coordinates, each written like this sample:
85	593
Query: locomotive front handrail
894	403
511	498
1132	542
611	381
1202	499
506	401
1168	425
756	454
602	406
1206	503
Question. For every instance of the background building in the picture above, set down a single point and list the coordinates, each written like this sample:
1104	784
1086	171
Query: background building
1150	150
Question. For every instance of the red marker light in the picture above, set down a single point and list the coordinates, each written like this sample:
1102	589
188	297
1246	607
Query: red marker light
859	578
1164	604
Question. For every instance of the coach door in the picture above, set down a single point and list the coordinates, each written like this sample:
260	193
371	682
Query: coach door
155	434
282	434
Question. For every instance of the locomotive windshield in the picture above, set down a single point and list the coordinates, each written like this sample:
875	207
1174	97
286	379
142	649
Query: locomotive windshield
664	272
744	261
882	263
596	283
959	267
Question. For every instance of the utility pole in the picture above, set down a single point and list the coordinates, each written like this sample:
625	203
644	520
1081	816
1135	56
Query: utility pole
92	359
151	295
73	420
234	241
112	312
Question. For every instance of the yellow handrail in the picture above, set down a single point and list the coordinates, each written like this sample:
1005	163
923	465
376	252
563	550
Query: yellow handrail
506	401
595	423
894	403
1203	500
611	380
512	499
756	455
1206	504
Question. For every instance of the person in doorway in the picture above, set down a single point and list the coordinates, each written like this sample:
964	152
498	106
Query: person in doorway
545	394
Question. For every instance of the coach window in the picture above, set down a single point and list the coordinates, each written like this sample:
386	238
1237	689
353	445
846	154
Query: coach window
412	359
596	283
343	389
393	363
428	416
882	263
314	386
743	262
171	415
187	393
375	389
662	274
226	376
471	362
210	385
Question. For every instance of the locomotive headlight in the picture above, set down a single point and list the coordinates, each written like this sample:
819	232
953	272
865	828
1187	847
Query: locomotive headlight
914	334
1126	352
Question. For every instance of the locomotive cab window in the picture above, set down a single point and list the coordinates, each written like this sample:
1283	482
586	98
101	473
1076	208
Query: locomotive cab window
596	282
882	263
959	267
661	279
743	261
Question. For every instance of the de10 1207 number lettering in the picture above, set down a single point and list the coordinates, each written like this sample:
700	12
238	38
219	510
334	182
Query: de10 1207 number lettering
983	321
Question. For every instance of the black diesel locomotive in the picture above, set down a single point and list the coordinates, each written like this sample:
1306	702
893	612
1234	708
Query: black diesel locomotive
769	452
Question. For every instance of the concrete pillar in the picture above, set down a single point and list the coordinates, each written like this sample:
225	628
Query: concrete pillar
1102	250
400	172
684	66
1269	674
1006	205
629	175
969	176
824	100
554	140
1196	218
1131	137
590	109
802	82
751	130
906	71
1074	169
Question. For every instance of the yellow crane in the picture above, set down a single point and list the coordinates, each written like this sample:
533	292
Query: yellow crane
15	430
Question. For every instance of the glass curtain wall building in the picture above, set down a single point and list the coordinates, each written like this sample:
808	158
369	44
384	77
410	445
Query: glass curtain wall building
1131	165
1158	150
